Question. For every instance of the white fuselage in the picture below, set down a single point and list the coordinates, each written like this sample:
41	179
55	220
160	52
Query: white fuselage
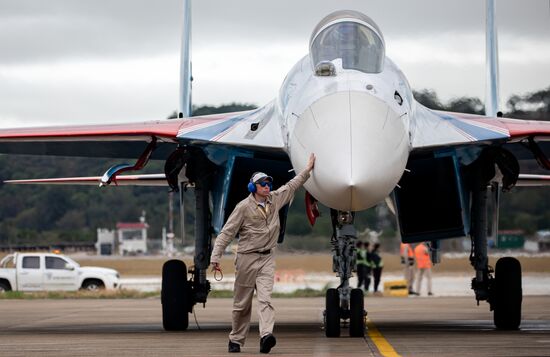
354	125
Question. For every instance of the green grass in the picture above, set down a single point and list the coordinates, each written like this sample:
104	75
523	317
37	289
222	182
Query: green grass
300	293
221	294
59	295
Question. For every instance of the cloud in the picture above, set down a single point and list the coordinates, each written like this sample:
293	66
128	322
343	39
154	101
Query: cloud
97	72
118	60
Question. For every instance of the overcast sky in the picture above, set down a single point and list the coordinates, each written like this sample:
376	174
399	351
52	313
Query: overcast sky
65	61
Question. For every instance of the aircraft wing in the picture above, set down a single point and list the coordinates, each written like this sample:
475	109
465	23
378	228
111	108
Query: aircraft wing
257	130
527	140
432	129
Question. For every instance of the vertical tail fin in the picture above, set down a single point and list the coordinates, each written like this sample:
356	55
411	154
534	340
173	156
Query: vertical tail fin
491	47
185	63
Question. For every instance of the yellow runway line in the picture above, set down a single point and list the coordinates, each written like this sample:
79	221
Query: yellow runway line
381	343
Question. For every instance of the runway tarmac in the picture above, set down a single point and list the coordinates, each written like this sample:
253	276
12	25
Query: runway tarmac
440	326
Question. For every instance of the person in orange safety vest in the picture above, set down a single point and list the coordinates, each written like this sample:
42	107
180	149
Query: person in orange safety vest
424	265
407	259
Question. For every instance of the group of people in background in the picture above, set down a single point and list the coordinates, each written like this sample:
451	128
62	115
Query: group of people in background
417	260
369	262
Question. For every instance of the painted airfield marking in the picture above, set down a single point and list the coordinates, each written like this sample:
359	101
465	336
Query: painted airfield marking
384	347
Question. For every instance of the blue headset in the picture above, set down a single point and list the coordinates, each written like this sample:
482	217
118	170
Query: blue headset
252	185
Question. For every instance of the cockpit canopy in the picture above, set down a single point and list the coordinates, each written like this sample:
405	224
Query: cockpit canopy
350	36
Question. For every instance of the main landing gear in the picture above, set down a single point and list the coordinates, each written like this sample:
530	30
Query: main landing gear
344	303
503	292
179	294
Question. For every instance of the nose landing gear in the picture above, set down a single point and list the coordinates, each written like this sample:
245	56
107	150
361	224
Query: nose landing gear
344	303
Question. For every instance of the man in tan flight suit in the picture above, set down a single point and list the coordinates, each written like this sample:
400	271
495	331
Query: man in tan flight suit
256	220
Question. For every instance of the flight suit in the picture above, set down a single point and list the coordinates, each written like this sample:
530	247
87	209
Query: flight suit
258	229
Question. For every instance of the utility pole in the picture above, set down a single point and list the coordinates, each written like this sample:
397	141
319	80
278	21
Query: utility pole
170	236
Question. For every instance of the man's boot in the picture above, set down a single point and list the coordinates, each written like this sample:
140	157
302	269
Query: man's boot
233	347
266	343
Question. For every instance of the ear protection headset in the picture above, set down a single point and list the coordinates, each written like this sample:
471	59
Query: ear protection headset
252	185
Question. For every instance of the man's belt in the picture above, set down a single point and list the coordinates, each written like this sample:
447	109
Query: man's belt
265	252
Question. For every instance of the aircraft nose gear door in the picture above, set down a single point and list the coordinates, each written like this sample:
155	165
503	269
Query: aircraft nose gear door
344	303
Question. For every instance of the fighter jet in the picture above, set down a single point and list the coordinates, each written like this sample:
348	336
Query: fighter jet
442	173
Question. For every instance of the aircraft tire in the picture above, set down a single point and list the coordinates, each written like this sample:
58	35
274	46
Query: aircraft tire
175	296
332	313
357	314
508	294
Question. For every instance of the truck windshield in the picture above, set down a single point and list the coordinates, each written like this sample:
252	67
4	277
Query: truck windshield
70	261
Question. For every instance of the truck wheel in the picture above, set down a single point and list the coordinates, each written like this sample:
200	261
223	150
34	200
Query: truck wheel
93	285
4	287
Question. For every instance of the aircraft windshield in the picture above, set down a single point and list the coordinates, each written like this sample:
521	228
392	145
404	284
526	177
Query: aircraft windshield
358	46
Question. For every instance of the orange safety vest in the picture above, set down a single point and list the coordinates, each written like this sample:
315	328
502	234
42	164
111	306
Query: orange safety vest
423	260
410	252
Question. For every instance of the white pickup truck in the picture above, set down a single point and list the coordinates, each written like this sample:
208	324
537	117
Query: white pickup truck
48	271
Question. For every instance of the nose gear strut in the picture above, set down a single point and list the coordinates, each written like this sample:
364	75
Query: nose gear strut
344	303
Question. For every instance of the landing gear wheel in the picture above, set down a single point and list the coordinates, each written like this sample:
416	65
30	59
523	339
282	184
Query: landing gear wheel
507	294
175	296
332	313
357	314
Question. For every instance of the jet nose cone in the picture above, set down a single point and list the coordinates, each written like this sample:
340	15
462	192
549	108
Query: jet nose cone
360	145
